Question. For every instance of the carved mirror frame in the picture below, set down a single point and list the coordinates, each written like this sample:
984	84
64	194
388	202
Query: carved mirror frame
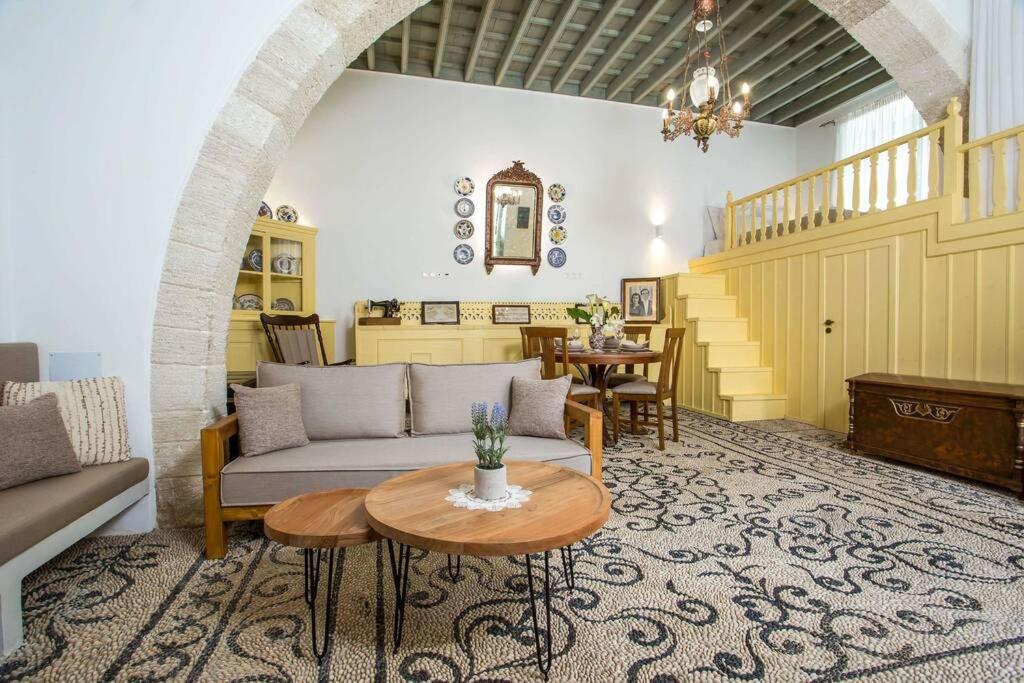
516	174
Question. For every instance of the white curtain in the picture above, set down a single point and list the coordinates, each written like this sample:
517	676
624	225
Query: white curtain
997	66
883	120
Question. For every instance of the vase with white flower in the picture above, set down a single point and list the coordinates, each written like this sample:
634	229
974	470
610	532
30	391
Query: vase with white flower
601	315
490	481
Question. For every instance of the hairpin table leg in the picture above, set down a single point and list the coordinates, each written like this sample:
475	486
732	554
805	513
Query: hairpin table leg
568	567
543	657
312	558
400	574
454	572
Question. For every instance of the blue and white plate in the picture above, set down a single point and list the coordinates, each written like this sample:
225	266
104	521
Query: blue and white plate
255	259
464	207
464	186
557	234
464	229
556	214
287	214
265	210
463	254
556	257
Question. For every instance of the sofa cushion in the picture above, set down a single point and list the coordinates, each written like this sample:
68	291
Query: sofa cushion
34	443
269	419
19	362
31	512
364	463
441	395
538	407
345	402
93	412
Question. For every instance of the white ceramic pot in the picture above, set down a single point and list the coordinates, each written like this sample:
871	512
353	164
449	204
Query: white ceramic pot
490	484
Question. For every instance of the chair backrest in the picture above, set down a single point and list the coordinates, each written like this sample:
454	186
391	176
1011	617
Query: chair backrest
637	333
539	342
668	376
295	339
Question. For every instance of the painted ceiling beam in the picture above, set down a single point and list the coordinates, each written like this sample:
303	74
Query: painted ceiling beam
478	38
851	60
406	37
799	23
879	79
628	34
793	70
679	23
827	91
565	13
522	25
744	32
442	35
586	41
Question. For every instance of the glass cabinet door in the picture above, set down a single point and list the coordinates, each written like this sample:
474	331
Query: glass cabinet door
287	276
249	286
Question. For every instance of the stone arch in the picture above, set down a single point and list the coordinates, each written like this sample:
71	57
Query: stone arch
928	57
236	162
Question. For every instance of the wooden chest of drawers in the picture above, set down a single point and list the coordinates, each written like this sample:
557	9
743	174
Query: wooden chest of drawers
971	429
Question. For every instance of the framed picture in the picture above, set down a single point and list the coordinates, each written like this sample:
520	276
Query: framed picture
510	314
641	299
439	313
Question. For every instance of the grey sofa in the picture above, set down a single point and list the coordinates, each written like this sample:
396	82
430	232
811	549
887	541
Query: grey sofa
356	417
42	518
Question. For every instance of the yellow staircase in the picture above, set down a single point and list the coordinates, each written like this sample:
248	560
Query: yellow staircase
721	367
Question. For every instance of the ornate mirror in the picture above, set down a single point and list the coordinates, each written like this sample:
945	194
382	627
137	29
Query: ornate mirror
514	203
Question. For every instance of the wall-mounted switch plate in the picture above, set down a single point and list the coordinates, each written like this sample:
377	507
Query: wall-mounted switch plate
75	365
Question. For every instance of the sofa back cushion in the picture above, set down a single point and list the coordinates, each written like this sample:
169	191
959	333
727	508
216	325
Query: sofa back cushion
19	362
34	443
344	401
441	395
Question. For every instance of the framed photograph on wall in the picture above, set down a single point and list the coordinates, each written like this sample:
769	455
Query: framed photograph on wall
510	314
439	312
641	299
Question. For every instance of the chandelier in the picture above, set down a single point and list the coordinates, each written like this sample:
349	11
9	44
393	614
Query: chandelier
705	86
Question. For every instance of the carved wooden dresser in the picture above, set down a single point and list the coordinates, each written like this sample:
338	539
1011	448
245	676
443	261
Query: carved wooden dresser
971	429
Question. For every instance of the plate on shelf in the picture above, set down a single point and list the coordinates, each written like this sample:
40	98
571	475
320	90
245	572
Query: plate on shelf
463	254
255	259
464	229
557	234
464	186
287	214
464	208
556	214
286	264
282	304
556	257
265	210
249	302
556	192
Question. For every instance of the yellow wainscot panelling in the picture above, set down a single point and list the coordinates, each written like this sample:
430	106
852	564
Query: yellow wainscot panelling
247	343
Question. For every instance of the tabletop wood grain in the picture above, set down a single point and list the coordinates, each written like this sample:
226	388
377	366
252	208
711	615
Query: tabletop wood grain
614	357
325	519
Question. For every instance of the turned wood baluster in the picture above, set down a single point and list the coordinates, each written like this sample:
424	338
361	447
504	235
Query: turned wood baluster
799	214
891	179
741	224
775	213
933	167
810	201
873	185
856	188
785	211
999	177
912	171
825	201
840	195
974	183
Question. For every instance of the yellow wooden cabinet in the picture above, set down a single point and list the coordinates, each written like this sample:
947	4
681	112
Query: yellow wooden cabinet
277	275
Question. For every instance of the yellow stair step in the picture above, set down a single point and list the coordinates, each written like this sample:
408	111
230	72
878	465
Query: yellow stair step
748	407
709	305
695	283
734	381
736	354
719	329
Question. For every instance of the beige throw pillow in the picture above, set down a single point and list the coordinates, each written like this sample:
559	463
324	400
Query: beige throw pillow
538	407
269	419
93	412
34	443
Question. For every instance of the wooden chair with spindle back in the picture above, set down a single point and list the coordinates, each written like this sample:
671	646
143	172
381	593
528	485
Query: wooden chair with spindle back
296	339
638	334
539	342
644	391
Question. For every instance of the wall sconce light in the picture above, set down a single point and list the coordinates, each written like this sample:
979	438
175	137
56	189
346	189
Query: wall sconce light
657	232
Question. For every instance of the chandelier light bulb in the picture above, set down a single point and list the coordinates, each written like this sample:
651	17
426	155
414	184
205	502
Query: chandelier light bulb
737	107
745	88
664	113
671	94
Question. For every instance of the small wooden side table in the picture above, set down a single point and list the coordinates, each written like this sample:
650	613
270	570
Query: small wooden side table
318	523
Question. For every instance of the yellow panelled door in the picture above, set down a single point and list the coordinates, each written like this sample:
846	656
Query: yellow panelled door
857	321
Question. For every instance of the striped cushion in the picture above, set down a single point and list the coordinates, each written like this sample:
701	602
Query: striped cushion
93	412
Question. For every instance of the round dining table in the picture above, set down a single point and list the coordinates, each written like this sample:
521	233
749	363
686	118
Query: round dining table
597	366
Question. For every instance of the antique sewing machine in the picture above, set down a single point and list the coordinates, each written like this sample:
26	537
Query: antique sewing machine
389	316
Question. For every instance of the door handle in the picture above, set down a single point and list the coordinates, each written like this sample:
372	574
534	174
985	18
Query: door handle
828	325
830	322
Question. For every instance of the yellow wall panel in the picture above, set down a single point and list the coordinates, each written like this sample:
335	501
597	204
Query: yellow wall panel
910	312
992	308
961	290
1015	308
936	316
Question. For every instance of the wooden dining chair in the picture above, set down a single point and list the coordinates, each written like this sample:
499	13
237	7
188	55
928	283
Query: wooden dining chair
644	391
539	342
296	339
638	334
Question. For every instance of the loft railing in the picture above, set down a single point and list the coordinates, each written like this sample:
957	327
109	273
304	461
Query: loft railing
877	180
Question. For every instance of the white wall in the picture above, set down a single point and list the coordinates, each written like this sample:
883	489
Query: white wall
374	164
114	99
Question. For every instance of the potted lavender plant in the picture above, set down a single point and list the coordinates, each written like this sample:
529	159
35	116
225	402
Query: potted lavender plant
489	476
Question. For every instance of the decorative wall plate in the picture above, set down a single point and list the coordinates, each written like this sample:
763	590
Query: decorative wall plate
464	229
282	304
464	186
556	214
265	210
249	302
286	264
287	214
255	259
463	254
556	192
464	208
556	257
557	234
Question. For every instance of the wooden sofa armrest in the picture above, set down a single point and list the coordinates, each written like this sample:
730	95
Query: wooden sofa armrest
212	441
593	432
213	444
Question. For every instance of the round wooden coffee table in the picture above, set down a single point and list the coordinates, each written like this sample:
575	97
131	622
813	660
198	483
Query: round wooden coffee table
319	522
411	511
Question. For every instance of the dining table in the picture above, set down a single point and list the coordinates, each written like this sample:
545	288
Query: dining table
597	366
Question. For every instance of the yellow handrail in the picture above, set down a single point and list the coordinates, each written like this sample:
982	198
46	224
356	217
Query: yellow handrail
989	139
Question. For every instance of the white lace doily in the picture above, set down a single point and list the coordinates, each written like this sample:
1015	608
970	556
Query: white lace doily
463	497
